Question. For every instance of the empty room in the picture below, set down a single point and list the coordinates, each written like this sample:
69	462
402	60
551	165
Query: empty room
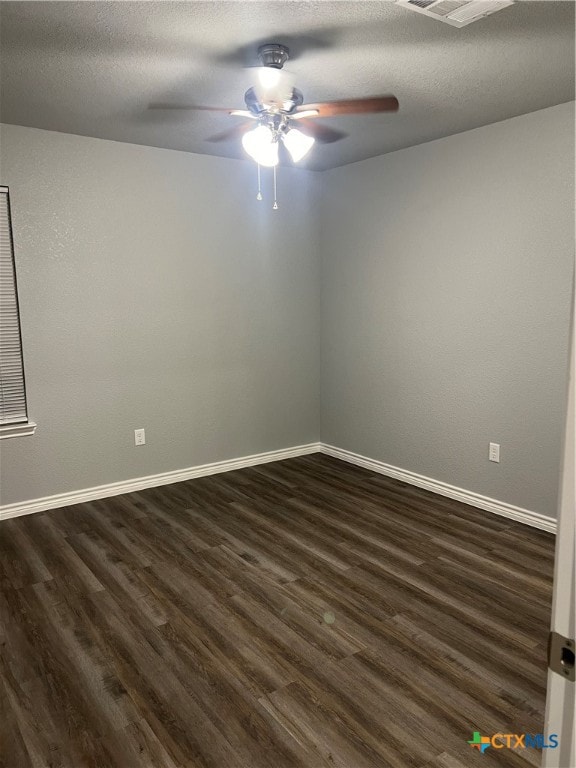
287	384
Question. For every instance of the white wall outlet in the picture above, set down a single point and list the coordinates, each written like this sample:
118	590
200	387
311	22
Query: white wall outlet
139	437
494	452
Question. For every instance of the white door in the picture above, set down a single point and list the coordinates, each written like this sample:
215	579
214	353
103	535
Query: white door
560	709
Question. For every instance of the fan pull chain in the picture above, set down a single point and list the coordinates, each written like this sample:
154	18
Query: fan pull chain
275	206
259	195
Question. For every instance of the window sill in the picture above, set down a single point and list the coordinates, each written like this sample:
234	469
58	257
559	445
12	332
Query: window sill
17	430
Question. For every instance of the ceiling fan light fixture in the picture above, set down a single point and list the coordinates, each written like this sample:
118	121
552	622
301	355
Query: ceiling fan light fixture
274	87
297	143
269	77
261	145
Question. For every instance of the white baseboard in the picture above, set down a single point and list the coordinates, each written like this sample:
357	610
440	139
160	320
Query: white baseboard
151	481
534	519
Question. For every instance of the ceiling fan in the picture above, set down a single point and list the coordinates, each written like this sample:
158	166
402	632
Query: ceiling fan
276	113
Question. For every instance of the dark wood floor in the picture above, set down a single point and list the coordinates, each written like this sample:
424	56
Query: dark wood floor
303	613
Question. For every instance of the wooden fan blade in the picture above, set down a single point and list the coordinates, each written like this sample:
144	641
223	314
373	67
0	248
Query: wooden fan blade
192	107
304	113
244	113
353	106
321	133
232	133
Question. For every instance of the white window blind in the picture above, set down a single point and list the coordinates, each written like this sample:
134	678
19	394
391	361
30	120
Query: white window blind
12	390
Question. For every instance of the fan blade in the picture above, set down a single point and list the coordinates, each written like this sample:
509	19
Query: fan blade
194	107
353	106
304	113
244	113
321	133
232	133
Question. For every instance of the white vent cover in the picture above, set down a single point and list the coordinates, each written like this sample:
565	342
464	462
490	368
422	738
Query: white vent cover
458	13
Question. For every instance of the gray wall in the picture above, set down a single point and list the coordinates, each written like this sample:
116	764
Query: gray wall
446	273
156	292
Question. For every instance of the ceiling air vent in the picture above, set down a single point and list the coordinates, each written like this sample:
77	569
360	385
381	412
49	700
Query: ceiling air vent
457	13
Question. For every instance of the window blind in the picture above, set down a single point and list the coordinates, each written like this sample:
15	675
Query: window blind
12	390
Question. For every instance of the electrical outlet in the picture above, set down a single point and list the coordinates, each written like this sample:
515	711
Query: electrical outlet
494	452
139	437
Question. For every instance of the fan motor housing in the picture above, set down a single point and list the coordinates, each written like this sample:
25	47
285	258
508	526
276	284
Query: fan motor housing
288	106
273	55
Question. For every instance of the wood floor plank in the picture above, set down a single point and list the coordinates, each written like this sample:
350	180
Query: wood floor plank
299	614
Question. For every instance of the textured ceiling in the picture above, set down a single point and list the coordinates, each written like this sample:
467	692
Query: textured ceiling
92	68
